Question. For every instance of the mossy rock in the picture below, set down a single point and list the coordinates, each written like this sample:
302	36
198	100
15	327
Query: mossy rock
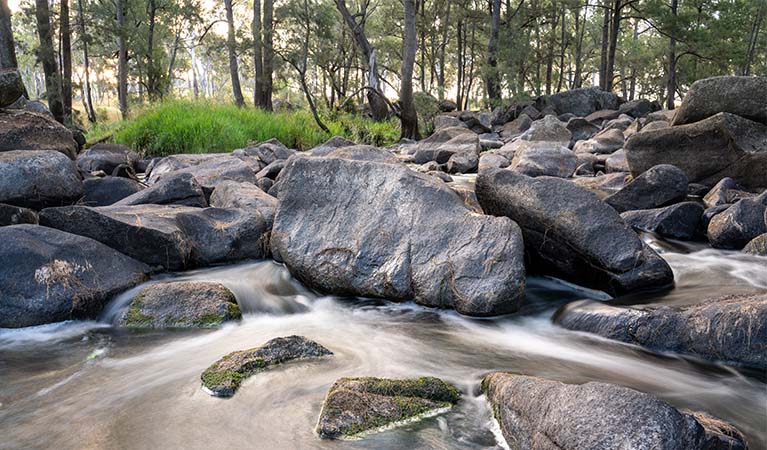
226	375
356	406
181	304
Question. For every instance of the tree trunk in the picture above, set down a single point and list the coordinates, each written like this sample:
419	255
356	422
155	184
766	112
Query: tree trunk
48	59
378	108
754	37
230	44
442	46
7	46
671	71
258	58
493	81
268	24
409	117
580	29
66	60
122	61
172	62
605	47
151	72
615	26
459	65
88	99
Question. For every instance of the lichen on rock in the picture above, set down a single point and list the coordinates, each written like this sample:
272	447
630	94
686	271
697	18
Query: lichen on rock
356	406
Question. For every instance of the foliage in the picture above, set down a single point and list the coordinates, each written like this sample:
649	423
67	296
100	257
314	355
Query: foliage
182	126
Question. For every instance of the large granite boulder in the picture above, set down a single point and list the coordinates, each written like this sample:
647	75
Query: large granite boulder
723	145
463	143
48	276
356	152
549	129
108	190
580	102
602	143
181	304
680	221
535	413
743	96
516	126
24	130
233	194
358	406
207	171
638	108
38	179
169	236
731	329
267	152
739	224
224	377
174	189
659	186
11	87
382	230
569	232
106	157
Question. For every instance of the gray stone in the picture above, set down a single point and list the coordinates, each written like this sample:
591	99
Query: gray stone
659	186
106	157
271	171
174	189
381	230
605	142
743	96
24	130
516	126
232	194
569	232
445	121
492	161
357	406
224	377
11	87
267	152
580	102
581	129
757	246
15	215
358	153
463	162
738	224
48	275
38	179
680	221
463	143
617	162
723	145
638	108
181	304
544	159
548	129
208	172
535	413
726	191
332	143
731	329
108	190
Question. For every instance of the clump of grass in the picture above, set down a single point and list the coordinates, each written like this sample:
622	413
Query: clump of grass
183	126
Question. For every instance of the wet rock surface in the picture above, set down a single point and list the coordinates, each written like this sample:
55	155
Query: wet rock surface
355	406
366	229
181	304
535	413
224	377
730	329
48	276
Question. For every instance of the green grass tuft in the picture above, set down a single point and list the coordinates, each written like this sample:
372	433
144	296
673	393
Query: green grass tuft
183	126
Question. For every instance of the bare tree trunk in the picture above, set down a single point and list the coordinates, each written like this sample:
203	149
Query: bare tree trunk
615	26
151	71
7	46
378	108
48	59
86	65
258	58
493	80
633	82
409	117
268	24
580	29
230	44
172	62
753	39
122	61
66	60
671	71
460	65
605	47
442	45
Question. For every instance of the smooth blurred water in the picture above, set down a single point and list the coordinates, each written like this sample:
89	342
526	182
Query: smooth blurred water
87	385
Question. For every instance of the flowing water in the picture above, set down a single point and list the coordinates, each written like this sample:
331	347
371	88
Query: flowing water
87	385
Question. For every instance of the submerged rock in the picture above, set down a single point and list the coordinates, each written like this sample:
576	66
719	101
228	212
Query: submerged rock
226	375
181	304
680	221
744	96
659	186
355	406
381	230
731	329
569	232
535	413
48	275
724	145
38	179
24	130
